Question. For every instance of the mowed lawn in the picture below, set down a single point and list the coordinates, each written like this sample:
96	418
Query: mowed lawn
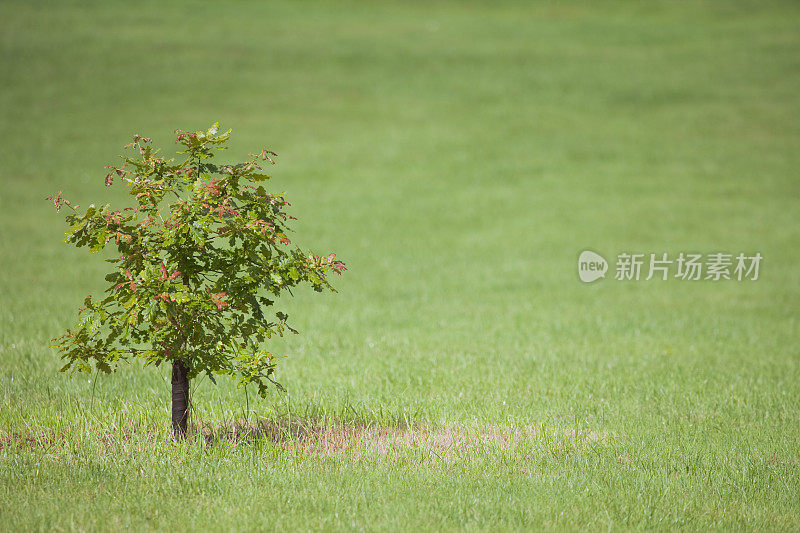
458	156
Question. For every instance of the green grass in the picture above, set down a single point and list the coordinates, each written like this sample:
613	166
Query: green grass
458	156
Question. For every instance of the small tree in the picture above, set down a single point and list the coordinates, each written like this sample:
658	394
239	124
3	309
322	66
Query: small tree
199	257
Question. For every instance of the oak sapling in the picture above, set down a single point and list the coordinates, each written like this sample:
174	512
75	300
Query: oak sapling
201	255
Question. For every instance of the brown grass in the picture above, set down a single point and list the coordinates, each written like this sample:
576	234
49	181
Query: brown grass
334	438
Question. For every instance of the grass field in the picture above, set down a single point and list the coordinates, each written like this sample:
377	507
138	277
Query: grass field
459	157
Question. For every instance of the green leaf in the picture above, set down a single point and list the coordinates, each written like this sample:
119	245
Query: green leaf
179	297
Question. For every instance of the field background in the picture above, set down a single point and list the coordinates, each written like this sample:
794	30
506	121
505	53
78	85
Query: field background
458	156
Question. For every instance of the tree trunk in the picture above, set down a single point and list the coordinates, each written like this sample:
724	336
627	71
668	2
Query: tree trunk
180	399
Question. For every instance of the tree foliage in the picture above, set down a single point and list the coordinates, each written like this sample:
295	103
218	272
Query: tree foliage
200	257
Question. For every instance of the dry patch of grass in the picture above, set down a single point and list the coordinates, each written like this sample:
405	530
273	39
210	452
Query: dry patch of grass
316	437
335	438
25	440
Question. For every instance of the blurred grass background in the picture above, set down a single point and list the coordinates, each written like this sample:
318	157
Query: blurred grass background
458	156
